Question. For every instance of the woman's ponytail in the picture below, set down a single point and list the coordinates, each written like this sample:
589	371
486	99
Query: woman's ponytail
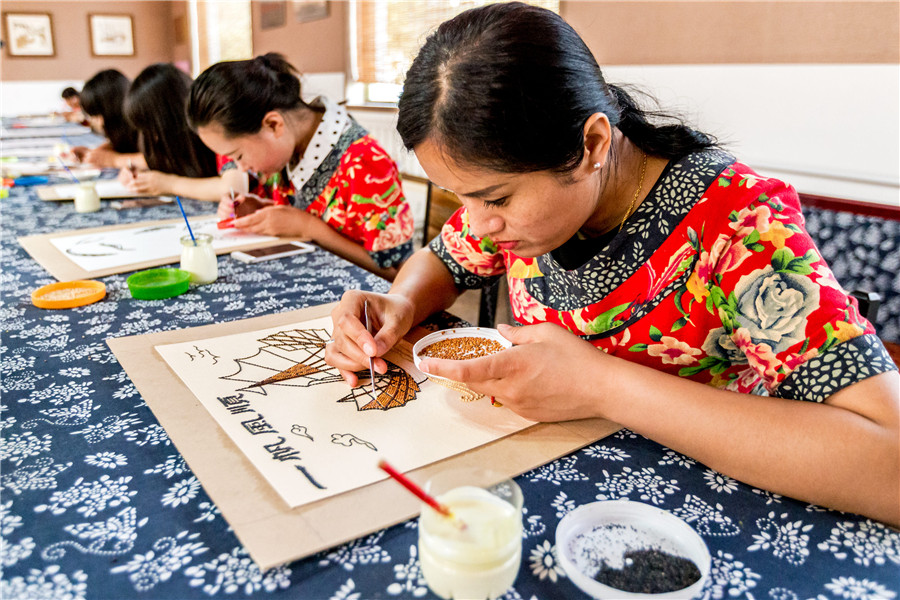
671	140
237	94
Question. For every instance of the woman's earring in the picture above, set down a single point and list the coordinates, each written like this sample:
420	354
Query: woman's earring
597	165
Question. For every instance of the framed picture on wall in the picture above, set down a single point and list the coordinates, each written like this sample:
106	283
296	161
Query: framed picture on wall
272	13
29	34
111	35
310	10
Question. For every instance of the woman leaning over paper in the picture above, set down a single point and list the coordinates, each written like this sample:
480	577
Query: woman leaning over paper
175	161
723	333
102	99
338	187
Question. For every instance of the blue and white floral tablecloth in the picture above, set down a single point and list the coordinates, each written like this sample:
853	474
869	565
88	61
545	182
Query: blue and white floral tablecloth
97	503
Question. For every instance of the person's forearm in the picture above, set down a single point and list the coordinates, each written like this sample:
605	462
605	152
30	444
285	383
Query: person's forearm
426	283
198	188
124	161
820	453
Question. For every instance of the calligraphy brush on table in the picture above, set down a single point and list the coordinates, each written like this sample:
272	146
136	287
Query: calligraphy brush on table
178	200
371	360
420	493
71	174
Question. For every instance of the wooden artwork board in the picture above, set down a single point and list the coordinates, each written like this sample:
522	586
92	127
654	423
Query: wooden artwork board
49	256
43	131
106	189
47	167
271	532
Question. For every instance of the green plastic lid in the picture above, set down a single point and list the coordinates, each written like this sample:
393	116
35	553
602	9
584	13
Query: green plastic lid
157	284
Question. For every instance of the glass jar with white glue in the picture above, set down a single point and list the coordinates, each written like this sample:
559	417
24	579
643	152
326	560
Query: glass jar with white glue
199	258
477	553
86	197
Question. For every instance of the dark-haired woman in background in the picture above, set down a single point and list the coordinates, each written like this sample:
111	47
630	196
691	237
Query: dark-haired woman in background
102	98
341	189
179	162
722	332
73	101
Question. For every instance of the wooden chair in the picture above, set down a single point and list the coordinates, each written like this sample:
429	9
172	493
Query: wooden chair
869	302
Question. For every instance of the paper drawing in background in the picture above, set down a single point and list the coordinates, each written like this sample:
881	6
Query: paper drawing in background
120	247
306	431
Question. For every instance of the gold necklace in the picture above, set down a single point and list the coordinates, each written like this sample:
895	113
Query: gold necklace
637	192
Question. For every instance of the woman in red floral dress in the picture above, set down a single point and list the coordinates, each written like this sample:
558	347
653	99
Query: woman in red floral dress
722	332
322	177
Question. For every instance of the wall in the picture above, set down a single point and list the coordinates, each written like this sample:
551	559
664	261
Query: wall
642	33
805	91
153	40
318	46
180	22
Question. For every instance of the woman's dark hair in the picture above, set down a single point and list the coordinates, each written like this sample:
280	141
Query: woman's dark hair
69	92
236	95
510	86
103	95
155	106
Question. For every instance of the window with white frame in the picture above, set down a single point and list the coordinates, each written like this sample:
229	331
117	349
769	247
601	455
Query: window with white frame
386	35
220	30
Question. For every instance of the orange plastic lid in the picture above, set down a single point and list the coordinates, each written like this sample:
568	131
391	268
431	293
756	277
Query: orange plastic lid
68	294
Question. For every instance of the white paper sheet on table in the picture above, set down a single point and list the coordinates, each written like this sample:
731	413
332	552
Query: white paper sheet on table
46	167
39	120
106	188
309	435
29	143
41	152
42	132
108	249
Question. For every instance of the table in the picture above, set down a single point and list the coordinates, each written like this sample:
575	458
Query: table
97	503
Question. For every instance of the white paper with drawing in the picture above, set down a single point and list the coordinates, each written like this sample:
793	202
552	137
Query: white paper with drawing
106	188
310	434
118	247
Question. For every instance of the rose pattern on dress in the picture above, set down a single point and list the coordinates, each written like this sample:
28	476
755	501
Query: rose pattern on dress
774	307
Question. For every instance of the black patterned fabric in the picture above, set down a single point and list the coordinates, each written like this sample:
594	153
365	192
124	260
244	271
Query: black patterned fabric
864	254
390	257
675	193
820	377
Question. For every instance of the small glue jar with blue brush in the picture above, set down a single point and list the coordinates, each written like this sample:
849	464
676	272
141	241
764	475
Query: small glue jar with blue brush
199	259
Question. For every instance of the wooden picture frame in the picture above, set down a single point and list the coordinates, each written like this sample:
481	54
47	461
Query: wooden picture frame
310	10
29	34
111	34
272	14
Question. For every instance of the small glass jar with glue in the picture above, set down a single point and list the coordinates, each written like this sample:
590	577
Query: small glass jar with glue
199	258
478	553
86	197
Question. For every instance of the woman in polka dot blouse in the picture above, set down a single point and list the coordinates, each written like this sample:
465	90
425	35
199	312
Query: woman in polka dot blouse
320	175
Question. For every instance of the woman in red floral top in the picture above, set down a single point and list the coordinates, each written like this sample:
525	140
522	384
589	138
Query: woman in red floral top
322	177
722	332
